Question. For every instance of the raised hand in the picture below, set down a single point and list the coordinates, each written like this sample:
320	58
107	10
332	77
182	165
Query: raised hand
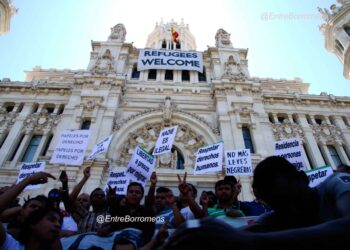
153	179
39	178
183	186
87	172
63	177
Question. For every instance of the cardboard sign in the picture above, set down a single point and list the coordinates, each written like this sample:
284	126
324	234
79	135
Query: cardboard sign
209	159
71	147
239	162
28	169
292	151
140	166
117	179
165	141
318	175
100	147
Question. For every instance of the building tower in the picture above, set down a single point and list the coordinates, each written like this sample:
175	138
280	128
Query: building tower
6	12
336	31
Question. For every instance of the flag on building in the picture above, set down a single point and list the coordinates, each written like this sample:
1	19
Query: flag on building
175	36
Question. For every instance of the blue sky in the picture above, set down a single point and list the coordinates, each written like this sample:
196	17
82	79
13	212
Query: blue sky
283	37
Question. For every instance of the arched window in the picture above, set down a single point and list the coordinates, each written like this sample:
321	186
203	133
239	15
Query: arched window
202	76
180	163
169	75
86	124
248	143
334	154
135	74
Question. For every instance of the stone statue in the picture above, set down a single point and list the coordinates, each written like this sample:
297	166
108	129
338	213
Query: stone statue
233	70
167	110
118	33
104	64
222	39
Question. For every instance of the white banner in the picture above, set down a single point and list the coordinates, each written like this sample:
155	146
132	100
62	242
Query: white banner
100	147
209	159
28	169
140	166
170	59
318	175
117	179
292	151
165	141
71	146
239	162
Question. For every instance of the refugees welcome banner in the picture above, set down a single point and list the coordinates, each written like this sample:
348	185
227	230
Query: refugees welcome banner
170	59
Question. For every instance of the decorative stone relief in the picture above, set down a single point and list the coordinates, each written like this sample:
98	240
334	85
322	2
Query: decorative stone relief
287	130
118	33
186	140
222	39
41	121
104	63
7	119
233	70
327	133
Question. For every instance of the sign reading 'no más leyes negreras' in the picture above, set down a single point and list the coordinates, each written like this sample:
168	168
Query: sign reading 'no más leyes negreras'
170	59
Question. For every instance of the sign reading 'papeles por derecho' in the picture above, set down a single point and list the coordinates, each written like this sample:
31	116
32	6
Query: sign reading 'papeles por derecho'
170	59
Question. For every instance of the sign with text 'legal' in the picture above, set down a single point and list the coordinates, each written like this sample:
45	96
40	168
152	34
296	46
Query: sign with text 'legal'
165	141
170	59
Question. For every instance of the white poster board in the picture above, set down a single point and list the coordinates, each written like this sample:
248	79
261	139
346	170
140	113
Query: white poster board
165	141
100	147
140	166
318	175
170	59
117	179
71	147
292	150
28	169
209	159
239	162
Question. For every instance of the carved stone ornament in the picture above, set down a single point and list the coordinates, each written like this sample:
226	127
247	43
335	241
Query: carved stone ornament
186	140
233	70
222	39
327	133
118	33
104	63
41	121
287	130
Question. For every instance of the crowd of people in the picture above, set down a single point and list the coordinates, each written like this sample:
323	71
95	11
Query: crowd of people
286	213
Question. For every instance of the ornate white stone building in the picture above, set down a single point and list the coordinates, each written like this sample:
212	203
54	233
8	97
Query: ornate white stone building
7	10
336	31
112	97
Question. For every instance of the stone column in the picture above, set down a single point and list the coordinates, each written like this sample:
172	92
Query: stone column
21	148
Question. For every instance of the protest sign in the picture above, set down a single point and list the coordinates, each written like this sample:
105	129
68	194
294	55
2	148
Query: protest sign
100	147
292	151
238	162
71	146
140	166
165	141
209	159
28	169
117	179
318	175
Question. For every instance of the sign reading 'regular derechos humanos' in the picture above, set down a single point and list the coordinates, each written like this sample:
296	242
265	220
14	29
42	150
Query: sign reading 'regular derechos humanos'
170	59
209	159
